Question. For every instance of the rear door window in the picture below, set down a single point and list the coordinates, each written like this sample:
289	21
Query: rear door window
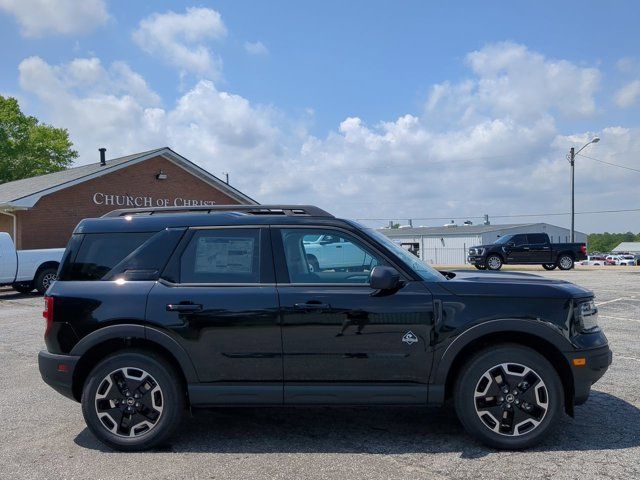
537	238
222	256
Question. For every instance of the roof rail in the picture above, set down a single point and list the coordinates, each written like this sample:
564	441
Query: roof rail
288	210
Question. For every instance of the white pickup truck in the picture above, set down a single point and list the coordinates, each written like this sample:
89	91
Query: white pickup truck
25	270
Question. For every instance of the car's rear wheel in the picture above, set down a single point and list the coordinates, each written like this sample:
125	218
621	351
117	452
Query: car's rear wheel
565	262
45	278
133	400
480	267
549	266
508	396
494	262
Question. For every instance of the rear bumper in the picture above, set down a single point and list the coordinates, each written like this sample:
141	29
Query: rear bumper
57	371
597	363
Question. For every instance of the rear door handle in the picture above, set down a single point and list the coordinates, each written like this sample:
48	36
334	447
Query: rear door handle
184	307
306	307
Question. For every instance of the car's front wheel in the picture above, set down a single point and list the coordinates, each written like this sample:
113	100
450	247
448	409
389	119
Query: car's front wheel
508	396
133	400
494	262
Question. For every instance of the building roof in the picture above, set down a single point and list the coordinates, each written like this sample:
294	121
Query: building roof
627	247
458	230
26	192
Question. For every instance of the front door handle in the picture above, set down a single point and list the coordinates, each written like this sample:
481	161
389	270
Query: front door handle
311	306
184	307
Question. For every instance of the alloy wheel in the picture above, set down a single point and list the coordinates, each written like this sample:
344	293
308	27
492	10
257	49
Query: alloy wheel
129	402
511	399
494	263
566	262
48	279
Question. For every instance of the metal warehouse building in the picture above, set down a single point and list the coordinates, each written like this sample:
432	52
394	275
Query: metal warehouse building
448	245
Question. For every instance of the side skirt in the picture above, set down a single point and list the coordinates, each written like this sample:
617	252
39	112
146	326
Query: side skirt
231	394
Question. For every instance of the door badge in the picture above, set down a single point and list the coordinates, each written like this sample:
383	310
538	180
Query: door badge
409	338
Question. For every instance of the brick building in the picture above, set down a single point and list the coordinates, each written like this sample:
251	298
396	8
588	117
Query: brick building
42	211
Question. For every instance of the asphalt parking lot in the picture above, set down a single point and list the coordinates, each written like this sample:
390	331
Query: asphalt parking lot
43	435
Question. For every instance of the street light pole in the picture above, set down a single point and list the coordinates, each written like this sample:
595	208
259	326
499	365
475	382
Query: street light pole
572	160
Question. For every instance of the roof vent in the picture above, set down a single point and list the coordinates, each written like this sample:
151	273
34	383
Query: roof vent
103	160
450	224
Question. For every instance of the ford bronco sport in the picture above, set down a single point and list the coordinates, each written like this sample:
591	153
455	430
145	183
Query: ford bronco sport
159	310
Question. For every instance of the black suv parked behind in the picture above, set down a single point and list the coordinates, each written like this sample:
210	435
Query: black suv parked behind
160	310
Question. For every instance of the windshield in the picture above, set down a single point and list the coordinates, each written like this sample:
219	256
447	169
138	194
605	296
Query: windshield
425	271
503	240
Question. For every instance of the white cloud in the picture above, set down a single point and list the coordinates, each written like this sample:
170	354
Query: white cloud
489	144
628	95
180	39
256	48
43	17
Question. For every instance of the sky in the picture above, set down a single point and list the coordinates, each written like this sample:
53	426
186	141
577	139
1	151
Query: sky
373	110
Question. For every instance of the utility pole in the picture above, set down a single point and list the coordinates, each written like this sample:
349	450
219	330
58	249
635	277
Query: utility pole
572	161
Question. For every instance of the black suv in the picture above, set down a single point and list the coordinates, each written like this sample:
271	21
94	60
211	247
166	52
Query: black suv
156	311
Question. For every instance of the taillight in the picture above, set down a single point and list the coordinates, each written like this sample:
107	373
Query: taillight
47	313
583	249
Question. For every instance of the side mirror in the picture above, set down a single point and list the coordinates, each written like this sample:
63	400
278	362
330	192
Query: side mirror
384	278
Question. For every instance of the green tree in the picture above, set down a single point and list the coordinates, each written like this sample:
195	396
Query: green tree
28	147
605	242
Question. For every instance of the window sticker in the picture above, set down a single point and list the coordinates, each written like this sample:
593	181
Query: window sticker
224	255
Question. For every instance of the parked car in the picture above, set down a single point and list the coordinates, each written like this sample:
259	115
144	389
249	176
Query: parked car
594	260
157	311
627	260
523	249
611	259
25	270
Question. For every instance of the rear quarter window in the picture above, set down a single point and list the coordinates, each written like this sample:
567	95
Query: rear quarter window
98	253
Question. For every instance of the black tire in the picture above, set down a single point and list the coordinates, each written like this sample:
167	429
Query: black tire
167	407
525	430
480	267
494	262
565	262
313	263
549	266
23	288
44	278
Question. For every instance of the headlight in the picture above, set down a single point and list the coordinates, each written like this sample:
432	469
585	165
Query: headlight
476	251
586	316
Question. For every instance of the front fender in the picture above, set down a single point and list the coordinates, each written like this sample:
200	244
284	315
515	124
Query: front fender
535	328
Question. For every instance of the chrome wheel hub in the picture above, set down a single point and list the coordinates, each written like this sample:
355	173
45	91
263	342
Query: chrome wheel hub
511	399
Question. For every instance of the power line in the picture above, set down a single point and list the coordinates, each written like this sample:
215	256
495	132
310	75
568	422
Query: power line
609	163
553	214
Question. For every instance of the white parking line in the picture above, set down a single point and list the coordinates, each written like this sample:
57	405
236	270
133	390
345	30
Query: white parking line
620	318
610	301
627	358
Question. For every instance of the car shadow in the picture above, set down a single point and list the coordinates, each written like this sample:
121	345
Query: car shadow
606	422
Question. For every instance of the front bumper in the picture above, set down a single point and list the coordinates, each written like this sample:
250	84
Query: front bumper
475	259
57	371
597	361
